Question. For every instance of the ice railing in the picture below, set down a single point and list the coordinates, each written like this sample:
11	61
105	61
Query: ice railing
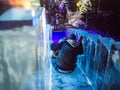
24	55
100	61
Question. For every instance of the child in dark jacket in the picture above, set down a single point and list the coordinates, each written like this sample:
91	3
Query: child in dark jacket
65	61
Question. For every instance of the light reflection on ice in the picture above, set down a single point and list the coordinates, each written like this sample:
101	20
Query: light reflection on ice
16	14
101	62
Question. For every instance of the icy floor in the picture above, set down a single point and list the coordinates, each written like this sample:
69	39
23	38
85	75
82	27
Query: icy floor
73	81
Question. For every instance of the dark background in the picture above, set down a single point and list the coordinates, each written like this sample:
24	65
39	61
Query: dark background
105	19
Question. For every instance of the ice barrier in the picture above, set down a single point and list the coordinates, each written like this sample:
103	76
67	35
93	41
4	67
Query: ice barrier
17	59
24	55
101	59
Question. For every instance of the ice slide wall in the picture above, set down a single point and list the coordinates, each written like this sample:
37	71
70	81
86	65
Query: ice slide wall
24	55
100	61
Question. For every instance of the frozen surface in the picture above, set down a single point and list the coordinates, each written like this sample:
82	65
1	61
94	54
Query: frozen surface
26	66
100	62
24	57
76	80
17	59
15	14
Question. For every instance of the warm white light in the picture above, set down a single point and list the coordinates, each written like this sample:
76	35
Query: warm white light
33	12
44	32
21	3
115	56
116	60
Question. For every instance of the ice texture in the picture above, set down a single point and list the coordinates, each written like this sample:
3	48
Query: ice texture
24	52
16	14
17	58
100	60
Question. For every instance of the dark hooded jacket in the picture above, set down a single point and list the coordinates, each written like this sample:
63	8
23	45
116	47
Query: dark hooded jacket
69	49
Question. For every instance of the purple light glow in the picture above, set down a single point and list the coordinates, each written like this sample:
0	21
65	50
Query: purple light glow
56	36
60	8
